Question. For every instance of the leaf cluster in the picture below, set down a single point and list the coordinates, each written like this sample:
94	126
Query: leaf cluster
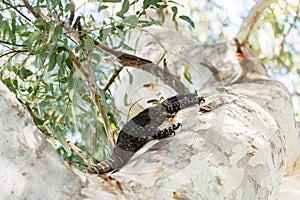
50	62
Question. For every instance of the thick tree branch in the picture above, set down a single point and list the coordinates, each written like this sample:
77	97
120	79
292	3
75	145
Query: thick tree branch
145	65
249	22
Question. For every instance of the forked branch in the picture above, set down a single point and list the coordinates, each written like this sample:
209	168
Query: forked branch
251	19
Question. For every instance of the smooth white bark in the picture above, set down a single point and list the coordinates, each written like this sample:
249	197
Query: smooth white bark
30	168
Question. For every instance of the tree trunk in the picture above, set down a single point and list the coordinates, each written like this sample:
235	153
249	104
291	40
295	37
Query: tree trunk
30	167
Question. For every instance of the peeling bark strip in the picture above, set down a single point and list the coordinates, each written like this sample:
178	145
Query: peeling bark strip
143	127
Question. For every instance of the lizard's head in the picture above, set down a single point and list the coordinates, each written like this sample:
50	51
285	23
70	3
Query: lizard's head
178	102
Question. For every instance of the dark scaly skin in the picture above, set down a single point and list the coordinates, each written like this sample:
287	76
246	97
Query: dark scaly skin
166	132
143	127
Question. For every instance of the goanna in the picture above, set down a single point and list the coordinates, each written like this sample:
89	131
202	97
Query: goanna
143	127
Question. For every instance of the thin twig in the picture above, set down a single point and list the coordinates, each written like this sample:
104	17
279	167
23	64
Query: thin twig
94	29
76	162
15	8
112	78
78	65
8	8
81	153
30	8
14	51
72	13
110	133
7	46
8	43
7	61
47	134
251	19
131	108
71	38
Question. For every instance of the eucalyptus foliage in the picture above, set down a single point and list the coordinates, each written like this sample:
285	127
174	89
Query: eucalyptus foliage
37	41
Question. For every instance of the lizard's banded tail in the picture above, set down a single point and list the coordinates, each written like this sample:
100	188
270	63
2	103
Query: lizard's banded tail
114	162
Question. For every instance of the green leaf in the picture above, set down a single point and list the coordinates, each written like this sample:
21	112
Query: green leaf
112	1
102	7
125	8
60	58
104	33
71	94
60	44
8	83
126	100
187	76
63	80
15	83
35	36
130	77
40	23
125	46
132	19
42	50
224	90
187	19
72	80
13	29
58	31
162	14
52	62
61	137
69	6
24	73
89	43
148	3
174	9
38	63
39	121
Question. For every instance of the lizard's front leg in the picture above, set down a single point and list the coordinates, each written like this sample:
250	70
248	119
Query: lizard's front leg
166	132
